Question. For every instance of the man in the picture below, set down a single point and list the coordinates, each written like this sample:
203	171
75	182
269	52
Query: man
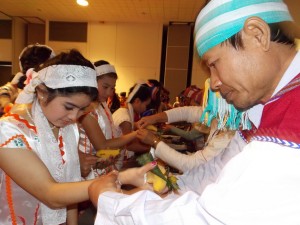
253	63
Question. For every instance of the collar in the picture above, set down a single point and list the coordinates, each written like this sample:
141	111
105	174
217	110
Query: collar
255	113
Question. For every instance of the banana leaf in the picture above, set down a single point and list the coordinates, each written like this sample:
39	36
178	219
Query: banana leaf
147	158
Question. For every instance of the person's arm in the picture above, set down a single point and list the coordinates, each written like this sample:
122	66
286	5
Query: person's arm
169	155
183	162
72	215
132	176
87	161
188	113
189	135
135	145
97	138
149	120
29	172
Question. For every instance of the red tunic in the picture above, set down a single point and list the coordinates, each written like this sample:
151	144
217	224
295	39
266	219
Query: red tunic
280	122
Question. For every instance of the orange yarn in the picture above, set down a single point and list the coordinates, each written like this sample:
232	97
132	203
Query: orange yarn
17	117
9	194
61	145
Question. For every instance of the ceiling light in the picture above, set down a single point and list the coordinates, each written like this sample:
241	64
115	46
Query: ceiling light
82	2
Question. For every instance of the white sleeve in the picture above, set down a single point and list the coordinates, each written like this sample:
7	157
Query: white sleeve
197	178
178	160
189	114
120	116
259	186
147	208
185	162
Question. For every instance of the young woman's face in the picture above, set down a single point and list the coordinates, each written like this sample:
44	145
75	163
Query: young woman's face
106	87
65	110
139	106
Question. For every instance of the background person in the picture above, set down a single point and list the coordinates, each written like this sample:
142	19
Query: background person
124	118
30	57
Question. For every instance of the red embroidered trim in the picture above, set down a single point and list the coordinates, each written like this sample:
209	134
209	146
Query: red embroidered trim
9	200
17	136
61	145
36	214
109	119
9	194
17	117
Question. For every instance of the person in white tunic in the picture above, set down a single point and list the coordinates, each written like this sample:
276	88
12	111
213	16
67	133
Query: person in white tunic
253	63
125	117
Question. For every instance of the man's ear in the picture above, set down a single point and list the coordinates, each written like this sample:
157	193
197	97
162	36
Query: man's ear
259	31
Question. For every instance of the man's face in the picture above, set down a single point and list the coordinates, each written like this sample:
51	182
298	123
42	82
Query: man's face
245	76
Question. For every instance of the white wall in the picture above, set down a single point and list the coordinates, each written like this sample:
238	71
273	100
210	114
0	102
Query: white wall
6	50
199	74
133	48
18	42
298	43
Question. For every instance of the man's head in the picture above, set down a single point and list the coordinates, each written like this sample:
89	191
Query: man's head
245	47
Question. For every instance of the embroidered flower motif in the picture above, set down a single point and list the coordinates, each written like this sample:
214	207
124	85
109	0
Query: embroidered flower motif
19	142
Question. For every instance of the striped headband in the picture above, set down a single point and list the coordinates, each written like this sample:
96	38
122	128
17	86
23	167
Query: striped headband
221	19
105	69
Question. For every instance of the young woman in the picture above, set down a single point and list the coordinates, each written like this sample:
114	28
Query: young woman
124	118
97	130
38	145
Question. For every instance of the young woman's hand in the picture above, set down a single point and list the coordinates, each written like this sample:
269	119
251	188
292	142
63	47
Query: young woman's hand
136	176
145	121
146	136
87	162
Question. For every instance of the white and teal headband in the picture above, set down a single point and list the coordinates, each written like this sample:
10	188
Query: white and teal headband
221	19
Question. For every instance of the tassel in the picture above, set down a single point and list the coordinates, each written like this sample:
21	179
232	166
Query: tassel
215	107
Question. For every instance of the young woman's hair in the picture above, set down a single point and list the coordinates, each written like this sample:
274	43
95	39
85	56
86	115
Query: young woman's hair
32	57
155	87
73	57
143	93
103	62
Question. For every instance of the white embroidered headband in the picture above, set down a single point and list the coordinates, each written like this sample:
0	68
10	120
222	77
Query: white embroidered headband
58	76
31	46
221	19
105	69
133	92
